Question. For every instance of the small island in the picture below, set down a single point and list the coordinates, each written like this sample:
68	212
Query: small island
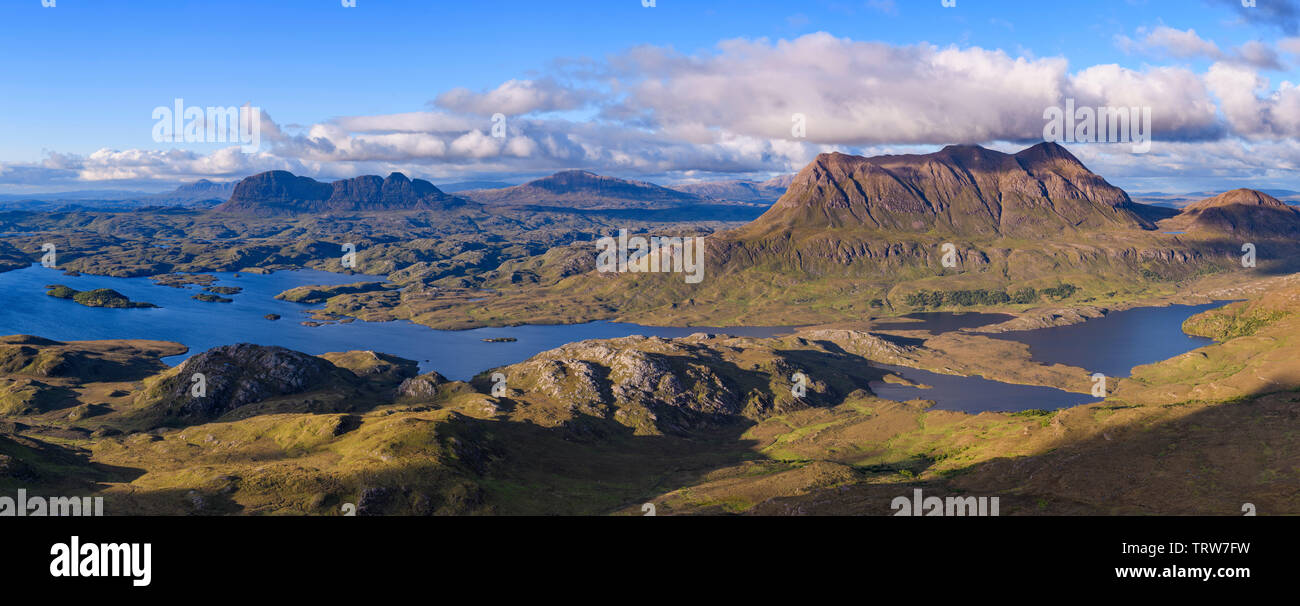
272	317
210	298
320	294
500	340
100	297
225	290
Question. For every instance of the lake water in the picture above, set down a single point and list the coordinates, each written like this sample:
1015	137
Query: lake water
1115	343
974	394
1112	345
457	354
941	321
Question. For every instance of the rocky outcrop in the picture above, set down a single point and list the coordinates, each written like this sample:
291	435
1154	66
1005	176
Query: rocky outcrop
861	343
678	386
1034	319
421	388
379	368
237	376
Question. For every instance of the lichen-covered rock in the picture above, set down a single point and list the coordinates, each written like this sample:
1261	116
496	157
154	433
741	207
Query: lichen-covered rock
422	387
235	376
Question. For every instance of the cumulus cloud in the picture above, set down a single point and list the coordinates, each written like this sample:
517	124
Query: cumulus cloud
652	110
515	97
1250	108
1187	44
865	93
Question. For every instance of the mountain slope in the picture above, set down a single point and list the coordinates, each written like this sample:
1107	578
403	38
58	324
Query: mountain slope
1240	212
281	192
963	189
580	189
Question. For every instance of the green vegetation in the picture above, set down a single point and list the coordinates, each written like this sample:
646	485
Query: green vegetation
100	297
1063	291
318	294
985	297
210	298
224	290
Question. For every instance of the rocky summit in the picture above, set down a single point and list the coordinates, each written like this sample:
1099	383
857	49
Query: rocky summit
234	376
962	189
281	192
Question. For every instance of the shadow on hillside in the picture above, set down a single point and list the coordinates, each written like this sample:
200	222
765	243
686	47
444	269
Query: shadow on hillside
1211	461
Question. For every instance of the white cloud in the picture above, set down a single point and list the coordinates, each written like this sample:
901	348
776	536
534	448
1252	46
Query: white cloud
514	98
660	112
1187	44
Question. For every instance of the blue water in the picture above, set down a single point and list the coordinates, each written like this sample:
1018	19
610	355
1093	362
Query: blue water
974	394
941	321
1111	345
26	309
1117	342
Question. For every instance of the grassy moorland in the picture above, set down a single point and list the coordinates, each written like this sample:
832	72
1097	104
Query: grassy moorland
704	424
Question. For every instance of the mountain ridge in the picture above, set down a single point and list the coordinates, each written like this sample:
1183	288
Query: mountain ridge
282	192
585	190
962	189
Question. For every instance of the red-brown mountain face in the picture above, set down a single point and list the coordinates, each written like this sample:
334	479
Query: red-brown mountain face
281	192
963	190
1240	212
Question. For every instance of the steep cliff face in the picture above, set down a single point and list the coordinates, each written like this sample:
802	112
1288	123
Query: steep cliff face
964	190
280	192
1240	212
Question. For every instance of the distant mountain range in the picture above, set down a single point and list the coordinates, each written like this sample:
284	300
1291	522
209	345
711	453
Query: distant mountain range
740	190
282	192
201	193
1175	200
452	188
585	190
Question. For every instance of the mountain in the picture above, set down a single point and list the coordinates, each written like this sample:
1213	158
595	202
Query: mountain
737	190
1240	212
281	192
461	186
89	194
202	189
962	189
782	181
200	193
585	190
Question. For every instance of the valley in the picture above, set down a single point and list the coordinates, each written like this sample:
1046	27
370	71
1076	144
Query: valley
470	359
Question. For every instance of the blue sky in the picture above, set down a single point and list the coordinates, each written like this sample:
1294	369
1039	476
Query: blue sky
610	85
